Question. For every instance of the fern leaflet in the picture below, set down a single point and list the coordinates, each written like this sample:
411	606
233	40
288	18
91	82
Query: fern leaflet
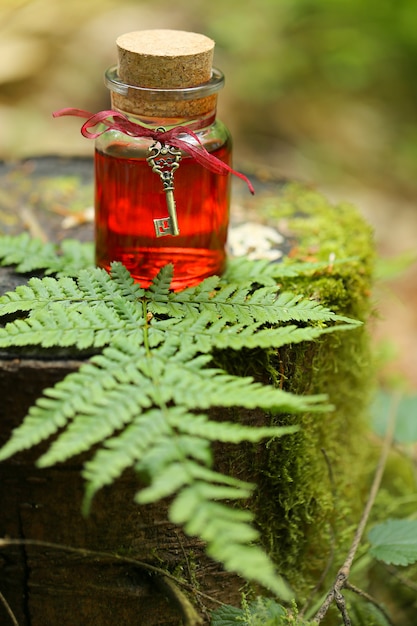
262	272
237	303
29	255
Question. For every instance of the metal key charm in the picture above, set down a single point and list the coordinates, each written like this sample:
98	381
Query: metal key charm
164	160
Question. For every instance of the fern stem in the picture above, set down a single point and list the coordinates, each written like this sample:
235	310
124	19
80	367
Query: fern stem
146	327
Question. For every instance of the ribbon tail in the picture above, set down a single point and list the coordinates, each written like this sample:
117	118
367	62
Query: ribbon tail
74	112
92	119
207	160
243	177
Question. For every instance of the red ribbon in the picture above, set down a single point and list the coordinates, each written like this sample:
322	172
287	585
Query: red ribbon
118	121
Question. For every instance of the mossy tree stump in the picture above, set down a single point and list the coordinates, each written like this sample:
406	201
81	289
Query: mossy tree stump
308	484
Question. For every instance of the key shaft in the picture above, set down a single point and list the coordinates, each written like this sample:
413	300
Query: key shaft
164	160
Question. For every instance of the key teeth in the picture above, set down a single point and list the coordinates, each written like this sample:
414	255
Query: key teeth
164	227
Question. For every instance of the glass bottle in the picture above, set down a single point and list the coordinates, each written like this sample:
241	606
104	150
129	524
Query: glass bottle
164	79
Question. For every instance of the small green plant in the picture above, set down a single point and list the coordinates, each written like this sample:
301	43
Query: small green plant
392	542
262	611
141	399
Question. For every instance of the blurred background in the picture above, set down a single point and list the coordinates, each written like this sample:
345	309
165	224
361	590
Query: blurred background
320	90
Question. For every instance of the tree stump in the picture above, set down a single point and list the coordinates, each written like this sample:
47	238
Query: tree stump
307	484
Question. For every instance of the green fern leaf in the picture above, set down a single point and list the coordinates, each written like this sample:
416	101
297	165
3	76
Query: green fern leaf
146	430
25	253
234	303
128	289
174	448
262	272
83	399
228	432
28	254
50	413
197	389
77	326
169	479
63	312
229	540
219	334
118	392
73	256
251	337
91	286
123	451
159	288
38	293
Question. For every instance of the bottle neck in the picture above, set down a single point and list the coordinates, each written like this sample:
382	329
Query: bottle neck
194	123
180	104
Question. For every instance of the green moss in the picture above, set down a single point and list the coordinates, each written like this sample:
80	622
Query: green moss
309	497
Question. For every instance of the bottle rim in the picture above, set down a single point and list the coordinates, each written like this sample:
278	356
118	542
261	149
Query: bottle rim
114	83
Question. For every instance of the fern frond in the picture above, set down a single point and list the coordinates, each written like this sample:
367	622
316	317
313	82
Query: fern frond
141	402
118	392
91	287
128	289
124	451
222	335
73	256
89	312
229	539
159	288
227	432
252	337
200	389
79	326
121	385
82	400
28	254
238	304
39	293
245	271
96	285
50	413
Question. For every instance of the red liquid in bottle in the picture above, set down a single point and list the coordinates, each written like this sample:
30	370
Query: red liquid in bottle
129	196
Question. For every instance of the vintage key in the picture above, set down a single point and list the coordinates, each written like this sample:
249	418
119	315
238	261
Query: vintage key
164	160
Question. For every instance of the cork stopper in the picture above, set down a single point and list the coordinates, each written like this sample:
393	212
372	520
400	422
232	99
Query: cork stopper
163	60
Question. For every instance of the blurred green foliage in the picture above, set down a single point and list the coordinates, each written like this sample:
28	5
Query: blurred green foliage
335	78
321	89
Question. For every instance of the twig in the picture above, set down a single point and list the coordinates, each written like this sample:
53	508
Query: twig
370	599
97	554
8	610
403	580
322	578
342	576
32	224
330	558
341	605
201	605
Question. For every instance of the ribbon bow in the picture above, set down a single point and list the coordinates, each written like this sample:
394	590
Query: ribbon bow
118	121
